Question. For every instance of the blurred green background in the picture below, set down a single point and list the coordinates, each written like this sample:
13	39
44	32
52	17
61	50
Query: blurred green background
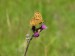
57	40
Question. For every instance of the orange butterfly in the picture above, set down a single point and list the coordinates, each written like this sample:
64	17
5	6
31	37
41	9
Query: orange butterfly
37	19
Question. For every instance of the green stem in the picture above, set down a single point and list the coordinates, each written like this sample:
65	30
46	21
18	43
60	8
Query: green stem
28	43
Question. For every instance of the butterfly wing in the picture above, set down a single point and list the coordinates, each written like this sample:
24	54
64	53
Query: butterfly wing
37	19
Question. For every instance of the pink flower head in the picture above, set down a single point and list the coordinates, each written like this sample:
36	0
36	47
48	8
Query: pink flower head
36	34
43	26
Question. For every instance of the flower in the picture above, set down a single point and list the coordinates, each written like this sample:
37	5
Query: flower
38	30
36	34
43	26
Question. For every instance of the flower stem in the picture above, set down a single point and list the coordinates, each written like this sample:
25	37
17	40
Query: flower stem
28	43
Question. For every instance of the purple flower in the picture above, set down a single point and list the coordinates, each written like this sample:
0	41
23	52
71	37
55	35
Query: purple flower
43	26
36	34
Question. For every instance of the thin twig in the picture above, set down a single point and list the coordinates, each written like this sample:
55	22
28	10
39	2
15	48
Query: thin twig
28	43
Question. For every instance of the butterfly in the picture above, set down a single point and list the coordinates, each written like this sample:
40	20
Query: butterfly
37	19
